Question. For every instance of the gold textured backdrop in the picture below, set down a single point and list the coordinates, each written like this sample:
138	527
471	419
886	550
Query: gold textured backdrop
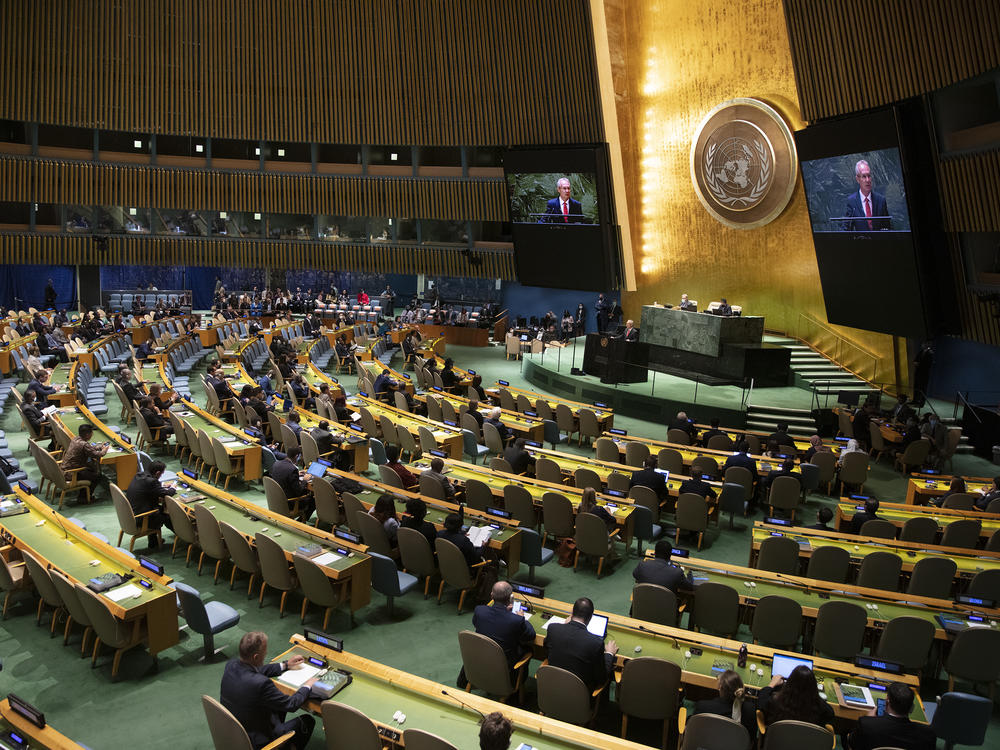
673	62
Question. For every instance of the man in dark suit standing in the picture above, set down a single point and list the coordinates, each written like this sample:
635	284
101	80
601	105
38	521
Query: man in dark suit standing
249	694
648	476
895	728
601	311
512	632
563	209
571	647
866	203
661	571
631	333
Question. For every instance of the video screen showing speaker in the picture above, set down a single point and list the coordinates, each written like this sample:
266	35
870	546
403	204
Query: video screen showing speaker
855	176
560	210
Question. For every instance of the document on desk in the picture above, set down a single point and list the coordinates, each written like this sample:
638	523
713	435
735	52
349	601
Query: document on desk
326	558
356	416
295	677
553	621
123	592
480	535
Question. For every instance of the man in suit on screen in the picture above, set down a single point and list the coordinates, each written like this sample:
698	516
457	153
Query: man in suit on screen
866	203
564	209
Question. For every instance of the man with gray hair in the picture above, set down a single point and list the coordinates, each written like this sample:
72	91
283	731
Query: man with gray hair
249	694
563	209
494	419
497	620
866	203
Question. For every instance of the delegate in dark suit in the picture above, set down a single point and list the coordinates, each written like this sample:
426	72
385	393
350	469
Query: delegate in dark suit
571	647
650	478
286	474
891	731
662	573
717	705
512	632
144	494
257	703
855	208
699	487
554	212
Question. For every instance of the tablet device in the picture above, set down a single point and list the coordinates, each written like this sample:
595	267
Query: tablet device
316	469
598	625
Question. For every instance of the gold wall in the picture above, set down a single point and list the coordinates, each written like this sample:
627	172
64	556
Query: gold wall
673	62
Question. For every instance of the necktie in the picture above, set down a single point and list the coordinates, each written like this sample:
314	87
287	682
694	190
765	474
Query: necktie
566	212
868	211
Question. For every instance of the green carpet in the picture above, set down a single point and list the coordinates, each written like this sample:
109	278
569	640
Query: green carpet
87	706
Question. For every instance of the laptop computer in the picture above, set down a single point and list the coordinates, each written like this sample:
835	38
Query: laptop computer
316	469
784	664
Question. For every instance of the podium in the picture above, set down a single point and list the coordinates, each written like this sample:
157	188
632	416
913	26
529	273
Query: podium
615	360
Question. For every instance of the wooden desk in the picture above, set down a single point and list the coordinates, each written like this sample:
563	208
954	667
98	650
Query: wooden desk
969	562
899	513
891	433
457	335
356	443
920	488
529	428
121	455
691	452
236	442
62	544
63	378
506	540
378	691
605	416
449	438
702	670
459	473
811	594
6	360
352	571
374	369
47	737
801	444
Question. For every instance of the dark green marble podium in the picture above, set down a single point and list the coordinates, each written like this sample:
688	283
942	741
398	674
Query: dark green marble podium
700	333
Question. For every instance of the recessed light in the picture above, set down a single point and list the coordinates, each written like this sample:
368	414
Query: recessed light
132	212
256	152
223	215
256	217
281	152
199	148
393	156
137	144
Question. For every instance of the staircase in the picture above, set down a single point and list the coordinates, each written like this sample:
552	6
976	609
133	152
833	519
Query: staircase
765	419
818	373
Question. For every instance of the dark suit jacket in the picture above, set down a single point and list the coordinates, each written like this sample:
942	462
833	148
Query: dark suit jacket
518	458
144	493
748	712
35	417
649	478
781	438
741	459
821	713
255	701
324	439
699	487
286	474
891	731
512	632
685	424
662	573
854	208
464	544
554	215
631	334
859	520
424	527
501	428
569	646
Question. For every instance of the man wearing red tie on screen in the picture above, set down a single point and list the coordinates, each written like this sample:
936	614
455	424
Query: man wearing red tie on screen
866	203
631	333
564	210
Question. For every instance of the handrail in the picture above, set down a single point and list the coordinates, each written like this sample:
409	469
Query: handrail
968	404
837	352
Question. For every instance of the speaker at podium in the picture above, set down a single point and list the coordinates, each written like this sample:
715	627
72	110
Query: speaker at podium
614	360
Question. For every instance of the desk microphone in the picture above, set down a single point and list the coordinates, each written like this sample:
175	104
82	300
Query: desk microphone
463	704
654	633
58	520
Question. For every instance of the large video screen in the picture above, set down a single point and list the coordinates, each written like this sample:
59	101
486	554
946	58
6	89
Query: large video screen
560	212
857	192
854	174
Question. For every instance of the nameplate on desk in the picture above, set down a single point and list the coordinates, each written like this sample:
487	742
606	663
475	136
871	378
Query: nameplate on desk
528	590
679	552
362	393
450	423
26	710
439	454
530	413
322	639
125	437
498	512
24	488
151	565
867	662
253	432
616	493
778	521
189	474
355	427
599	405
324	462
503	382
616	431
841	439
347	536
435	388
406	375
860	497
976	601
532	443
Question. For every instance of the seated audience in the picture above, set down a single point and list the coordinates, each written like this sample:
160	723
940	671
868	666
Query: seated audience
732	702
894	729
796	698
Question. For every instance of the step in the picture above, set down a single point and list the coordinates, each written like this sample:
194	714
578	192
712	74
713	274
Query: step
764	417
786	411
801	430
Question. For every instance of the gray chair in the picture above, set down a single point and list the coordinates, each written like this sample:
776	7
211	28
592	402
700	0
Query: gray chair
878	528
619	482
48	594
317	588
654	603
478	495
470	447
74	609
327	503
670	459
455	570
649	689
933	577
389	581
691	514
207	619
14	579
705	465
985	584
274	570
959	501
906	641
711	732
486	666
110	630
962	533
209	539
229	734
678	437
547	470
499	463
557	515
784	494
346	728
418	739
587	478
777	622
518	501
829	564
796	735
243	555
606	450
352	507
733	498
417	557
960	718
390	477
564	697
921	530
533	552
880	570
974	657
374	534
431	487
593	540
779	554
840	630
716	609
635	454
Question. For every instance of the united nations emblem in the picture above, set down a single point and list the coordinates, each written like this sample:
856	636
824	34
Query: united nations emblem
743	163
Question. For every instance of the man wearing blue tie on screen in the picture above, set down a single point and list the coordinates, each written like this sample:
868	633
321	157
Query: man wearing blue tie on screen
564	210
866	203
